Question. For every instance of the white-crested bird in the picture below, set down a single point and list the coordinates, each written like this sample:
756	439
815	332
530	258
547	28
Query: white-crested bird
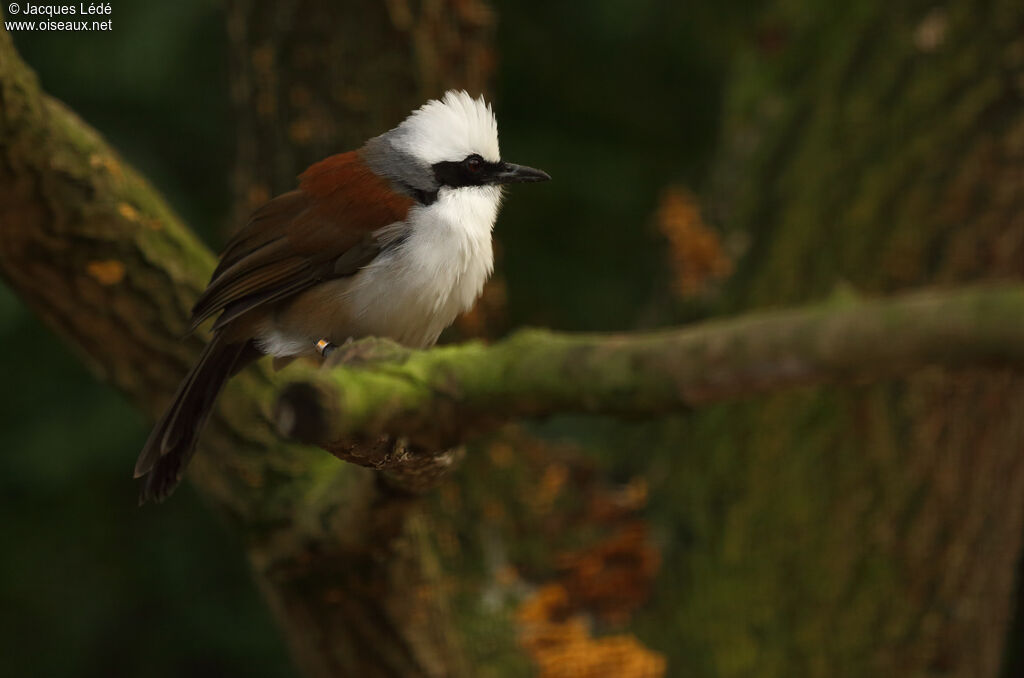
391	240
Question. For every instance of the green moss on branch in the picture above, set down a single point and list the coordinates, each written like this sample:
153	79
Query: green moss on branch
436	398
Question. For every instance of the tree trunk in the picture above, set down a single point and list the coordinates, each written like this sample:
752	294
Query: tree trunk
875	530
310	79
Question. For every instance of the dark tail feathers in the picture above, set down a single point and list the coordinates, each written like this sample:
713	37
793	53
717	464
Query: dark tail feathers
173	441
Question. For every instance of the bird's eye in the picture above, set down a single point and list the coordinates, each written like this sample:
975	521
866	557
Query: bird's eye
474	163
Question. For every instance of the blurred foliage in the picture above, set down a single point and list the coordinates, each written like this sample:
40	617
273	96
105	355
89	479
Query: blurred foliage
561	645
698	257
536	529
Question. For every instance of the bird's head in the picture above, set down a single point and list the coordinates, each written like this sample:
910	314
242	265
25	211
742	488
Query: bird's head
447	143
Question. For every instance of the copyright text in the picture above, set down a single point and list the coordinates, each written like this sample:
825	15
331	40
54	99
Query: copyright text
80	16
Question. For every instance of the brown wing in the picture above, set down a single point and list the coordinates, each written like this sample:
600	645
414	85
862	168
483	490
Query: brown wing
321	231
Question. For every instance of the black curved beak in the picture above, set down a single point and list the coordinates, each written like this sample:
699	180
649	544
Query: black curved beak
510	173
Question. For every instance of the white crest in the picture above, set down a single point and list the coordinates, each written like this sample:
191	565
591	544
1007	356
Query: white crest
450	129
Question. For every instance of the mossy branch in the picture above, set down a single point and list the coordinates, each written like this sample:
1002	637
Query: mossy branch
436	398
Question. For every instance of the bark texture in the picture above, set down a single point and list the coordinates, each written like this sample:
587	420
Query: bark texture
873	530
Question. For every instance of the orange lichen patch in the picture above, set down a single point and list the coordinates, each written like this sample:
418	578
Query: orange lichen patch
561	646
501	454
930	34
108	272
697	256
493	511
97	161
549	487
300	131
506	577
128	212
613	577
618	503
475	13
263	59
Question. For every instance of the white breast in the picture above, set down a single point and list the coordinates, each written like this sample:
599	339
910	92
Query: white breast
413	291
